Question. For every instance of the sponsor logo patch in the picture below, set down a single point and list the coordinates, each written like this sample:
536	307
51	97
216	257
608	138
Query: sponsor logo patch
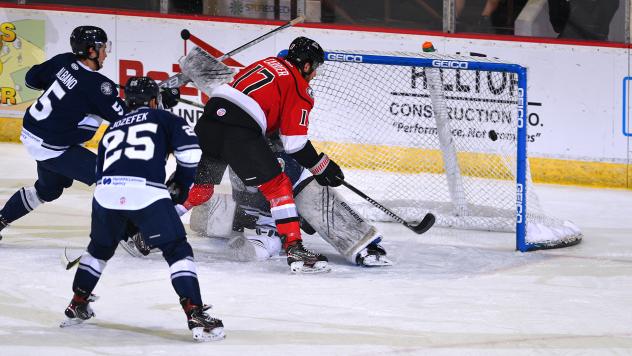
106	88
74	66
221	112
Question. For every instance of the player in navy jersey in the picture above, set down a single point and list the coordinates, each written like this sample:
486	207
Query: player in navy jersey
76	98
130	189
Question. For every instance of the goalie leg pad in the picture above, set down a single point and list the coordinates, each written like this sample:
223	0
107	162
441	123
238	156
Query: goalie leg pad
255	245
332	217
215	217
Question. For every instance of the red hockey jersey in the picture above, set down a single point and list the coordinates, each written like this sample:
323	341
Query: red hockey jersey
281	93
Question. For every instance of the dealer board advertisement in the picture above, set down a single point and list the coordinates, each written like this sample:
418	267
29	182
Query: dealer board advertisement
575	94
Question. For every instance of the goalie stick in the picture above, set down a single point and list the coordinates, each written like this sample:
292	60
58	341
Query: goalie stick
425	224
180	79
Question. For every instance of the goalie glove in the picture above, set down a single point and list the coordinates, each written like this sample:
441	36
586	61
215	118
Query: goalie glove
169	97
198	195
327	172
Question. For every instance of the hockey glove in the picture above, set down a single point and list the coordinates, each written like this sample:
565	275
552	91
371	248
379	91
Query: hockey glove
177	191
327	172
169	97
198	195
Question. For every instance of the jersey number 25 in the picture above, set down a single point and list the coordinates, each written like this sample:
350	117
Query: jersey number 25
137	147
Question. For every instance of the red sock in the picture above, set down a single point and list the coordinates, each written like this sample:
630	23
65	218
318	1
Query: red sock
278	192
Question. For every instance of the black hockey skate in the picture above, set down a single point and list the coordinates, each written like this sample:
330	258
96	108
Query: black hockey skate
78	310
135	244
302	260
203	326
374	255
3	223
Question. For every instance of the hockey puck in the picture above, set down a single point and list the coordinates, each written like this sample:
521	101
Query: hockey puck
428	47
492	135
185	34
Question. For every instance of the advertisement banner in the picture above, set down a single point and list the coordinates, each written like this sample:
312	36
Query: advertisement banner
575	93
22	42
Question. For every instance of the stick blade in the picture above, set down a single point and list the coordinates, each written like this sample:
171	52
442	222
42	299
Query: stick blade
425	224
66	262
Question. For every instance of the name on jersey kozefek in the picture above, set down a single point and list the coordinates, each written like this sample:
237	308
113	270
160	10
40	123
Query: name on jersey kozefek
66	78
131	119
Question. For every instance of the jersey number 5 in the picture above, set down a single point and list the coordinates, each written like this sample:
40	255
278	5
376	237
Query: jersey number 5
113	139
45	103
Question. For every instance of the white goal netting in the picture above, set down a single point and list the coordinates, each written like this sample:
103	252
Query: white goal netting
422	139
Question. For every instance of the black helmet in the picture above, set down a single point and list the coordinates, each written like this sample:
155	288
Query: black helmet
139	91
86	37
303	50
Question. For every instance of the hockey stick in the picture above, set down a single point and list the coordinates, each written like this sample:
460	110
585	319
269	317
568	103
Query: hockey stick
180	79
190	102
66	262
425	224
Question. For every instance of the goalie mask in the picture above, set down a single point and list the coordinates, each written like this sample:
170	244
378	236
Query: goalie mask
85	37
139	91
304	50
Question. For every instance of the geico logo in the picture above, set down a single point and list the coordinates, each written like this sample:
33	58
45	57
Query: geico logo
341	57
449	64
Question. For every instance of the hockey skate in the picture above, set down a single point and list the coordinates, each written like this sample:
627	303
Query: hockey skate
3	223
202	326
302	260
374	255
135	245
257	244
78	310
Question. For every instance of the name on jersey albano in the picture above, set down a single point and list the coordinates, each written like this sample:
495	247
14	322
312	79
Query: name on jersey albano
66	78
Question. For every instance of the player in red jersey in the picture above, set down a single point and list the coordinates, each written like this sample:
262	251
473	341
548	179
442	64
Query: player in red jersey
271	96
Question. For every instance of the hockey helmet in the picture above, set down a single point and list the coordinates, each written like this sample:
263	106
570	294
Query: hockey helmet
85	37
304	50
139	91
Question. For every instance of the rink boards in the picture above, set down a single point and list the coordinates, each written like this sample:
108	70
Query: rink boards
577	113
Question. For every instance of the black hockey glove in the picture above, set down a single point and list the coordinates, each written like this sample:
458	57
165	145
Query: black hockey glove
177	191
327	172
169	97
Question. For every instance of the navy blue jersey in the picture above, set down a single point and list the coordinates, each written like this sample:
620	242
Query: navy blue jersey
64	114
132	156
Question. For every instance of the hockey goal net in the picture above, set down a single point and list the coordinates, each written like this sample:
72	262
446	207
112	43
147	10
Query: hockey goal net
425	133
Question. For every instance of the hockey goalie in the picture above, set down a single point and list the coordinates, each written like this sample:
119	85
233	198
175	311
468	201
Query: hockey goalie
244	217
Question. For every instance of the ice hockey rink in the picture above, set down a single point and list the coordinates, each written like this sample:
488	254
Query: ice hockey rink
450	292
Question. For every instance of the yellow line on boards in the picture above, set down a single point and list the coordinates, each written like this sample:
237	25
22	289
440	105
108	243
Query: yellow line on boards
416	160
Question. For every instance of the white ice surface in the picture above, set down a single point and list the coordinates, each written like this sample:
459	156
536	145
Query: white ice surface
451	292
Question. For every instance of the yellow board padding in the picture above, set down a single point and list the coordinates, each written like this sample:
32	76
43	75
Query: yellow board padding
412	160
10	129
416	160
583	173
